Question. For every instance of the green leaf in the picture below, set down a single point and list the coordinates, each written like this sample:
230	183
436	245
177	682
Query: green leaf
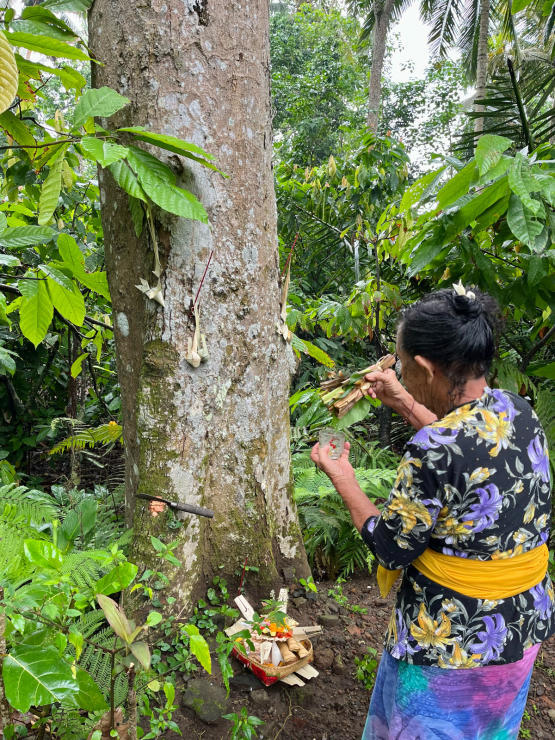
473	209
95	281
489	151
102	101
77	365
171	143
37	677
9	260
302	345
50	192
76	6
25	236
115	616
544	371
117	579
153	619
15	127
70	253
359	411
413	194
57	275
137	214
199	647
424	254
43	554
38	27
7	362
522	184
104	152
157	544
518	5
536	270
69	303
457	185
46	45
89	697
171	198
127	180
142	652
521	222
35	311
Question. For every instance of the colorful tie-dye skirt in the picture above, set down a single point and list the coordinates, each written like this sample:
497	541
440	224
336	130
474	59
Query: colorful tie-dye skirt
411	702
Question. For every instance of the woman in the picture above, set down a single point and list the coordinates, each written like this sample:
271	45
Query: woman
467	523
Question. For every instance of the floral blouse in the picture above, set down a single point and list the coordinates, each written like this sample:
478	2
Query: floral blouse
474	484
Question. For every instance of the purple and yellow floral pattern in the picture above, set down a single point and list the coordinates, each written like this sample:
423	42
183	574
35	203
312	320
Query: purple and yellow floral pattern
474	485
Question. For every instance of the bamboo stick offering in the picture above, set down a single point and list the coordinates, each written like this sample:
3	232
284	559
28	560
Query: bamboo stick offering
286	655
340	394
296	647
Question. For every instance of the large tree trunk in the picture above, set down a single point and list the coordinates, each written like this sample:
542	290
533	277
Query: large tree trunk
215	436
382	16
482	62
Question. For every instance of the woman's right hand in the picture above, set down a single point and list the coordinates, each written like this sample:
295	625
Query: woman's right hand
387	389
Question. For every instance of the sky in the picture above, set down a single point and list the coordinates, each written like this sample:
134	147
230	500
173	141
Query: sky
413	35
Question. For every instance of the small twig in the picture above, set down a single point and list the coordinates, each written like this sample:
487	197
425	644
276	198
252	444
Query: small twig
289	715
39	146
203	276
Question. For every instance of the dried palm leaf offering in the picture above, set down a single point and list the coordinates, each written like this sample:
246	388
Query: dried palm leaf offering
340	393
9	75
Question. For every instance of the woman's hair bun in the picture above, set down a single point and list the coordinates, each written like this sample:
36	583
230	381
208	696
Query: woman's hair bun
468	307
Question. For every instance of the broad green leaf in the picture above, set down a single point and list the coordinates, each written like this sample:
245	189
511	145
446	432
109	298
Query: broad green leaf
18	130
424	254
522	184
38	27
199	647
142	652
172	198
3	222
70	78
46	45
413	194
142	161
9	260
89	697
69	530
7	362
521	222
77	365
104	152
153	619
50	192
69	303
75	6
473	209
536	270
489	150
518	5
137	214
25	236
57	275
171	143
87	513
43	554
302	345
543	371
115	616
359	411
70	253
102	102
127	180
117	579
458	185
35	310
95	281
76	639
36	678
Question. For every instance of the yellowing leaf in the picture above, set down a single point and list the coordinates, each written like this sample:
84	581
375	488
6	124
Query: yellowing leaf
9	76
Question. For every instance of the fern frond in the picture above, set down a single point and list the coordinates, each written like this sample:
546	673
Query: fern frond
104	434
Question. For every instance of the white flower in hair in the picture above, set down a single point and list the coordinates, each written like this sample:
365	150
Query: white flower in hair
461	290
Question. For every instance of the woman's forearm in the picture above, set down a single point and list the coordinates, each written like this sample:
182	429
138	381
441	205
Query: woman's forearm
360	507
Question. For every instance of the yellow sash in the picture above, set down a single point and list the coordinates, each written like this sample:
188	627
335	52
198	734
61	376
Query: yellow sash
480	579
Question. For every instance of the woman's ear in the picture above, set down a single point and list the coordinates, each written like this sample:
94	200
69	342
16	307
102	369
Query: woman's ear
427	366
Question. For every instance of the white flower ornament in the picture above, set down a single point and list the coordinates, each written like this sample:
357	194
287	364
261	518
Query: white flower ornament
461	290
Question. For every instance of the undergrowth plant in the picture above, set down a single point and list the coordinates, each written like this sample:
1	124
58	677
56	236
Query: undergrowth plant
332	543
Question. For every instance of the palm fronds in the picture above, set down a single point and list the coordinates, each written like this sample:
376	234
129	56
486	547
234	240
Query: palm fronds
340	394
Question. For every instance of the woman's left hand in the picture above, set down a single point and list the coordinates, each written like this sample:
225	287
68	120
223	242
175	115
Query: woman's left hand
334	469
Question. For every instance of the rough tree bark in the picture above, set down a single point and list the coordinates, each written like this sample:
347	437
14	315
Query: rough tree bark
382	17
482	62
215	436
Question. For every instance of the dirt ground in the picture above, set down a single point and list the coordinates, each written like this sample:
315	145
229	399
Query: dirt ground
333	706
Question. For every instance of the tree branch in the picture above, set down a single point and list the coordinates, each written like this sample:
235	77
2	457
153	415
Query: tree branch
548	336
